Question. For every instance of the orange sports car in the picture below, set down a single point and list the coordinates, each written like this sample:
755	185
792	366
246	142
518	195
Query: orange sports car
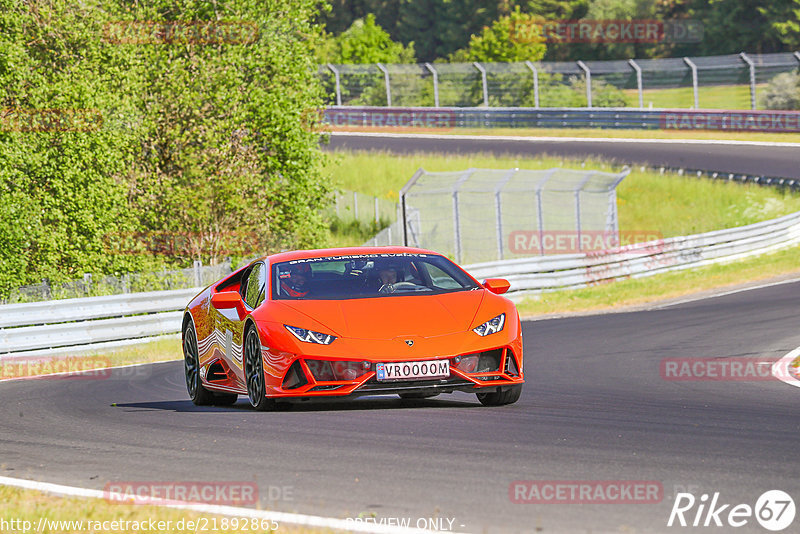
346	322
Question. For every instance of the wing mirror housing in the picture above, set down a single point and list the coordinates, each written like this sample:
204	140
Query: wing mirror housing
496	285
226	300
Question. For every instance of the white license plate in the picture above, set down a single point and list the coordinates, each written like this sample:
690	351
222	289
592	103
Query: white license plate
413	370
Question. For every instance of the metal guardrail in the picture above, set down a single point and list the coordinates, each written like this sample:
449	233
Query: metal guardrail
86	323
606	118
75	325
571	271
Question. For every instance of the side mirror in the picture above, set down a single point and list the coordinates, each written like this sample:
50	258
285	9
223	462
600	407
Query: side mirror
496	285
225	300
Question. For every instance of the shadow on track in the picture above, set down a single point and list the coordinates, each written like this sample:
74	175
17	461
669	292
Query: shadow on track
366	403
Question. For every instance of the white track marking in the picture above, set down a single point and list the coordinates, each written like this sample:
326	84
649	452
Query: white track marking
532	139
780	369
234	511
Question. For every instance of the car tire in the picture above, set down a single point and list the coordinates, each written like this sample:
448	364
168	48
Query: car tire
417	395
254	372
191	366
506	395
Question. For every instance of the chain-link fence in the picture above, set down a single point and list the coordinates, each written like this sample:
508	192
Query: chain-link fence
354	206
89	286
725	82
481	215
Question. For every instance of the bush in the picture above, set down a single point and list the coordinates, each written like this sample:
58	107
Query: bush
783	92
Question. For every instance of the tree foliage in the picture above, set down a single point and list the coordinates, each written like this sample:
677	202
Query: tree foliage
197	137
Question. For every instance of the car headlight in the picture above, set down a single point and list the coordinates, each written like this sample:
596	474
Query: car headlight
309	336
491	326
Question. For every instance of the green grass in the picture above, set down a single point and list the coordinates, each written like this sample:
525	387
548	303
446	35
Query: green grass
668	205
27	505
638	291
708	97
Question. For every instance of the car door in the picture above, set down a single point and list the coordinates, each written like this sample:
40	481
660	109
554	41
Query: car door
229	324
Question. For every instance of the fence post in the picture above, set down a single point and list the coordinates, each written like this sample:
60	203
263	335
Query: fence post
386	81
638	70
435	84
578	207
535	83
87	283
338	84
499	211
752	67
403	206
355	205
588	74
457	214
377	218
197	278
694	80
483	82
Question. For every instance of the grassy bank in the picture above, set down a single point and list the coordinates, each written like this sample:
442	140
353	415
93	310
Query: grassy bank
668	205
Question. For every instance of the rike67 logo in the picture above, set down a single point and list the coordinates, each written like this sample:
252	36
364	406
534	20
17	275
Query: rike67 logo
774	510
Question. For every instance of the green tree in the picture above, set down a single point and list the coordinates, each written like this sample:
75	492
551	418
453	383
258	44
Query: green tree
514	37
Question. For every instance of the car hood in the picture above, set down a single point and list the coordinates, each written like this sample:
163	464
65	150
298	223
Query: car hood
392	316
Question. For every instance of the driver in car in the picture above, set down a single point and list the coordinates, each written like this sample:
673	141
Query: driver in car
388	277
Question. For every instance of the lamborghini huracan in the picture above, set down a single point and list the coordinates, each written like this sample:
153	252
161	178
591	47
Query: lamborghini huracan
348	322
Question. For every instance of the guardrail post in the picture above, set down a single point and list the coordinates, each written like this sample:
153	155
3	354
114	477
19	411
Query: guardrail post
87	283
385	72
638	70
752	67
338	84
535	83
435	84
694	80
588	74
483	83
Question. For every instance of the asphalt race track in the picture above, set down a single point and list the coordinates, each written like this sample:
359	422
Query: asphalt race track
594	408
751	159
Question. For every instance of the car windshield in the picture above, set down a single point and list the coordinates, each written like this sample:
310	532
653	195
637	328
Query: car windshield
367	276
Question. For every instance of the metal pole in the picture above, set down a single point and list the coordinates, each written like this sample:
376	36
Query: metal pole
499	211
694	80
638	70
752	67
535	83
435	84
376	211
355	204
578	207
483	82
338	85
456	213
588	75
403	193
386	81
539	211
